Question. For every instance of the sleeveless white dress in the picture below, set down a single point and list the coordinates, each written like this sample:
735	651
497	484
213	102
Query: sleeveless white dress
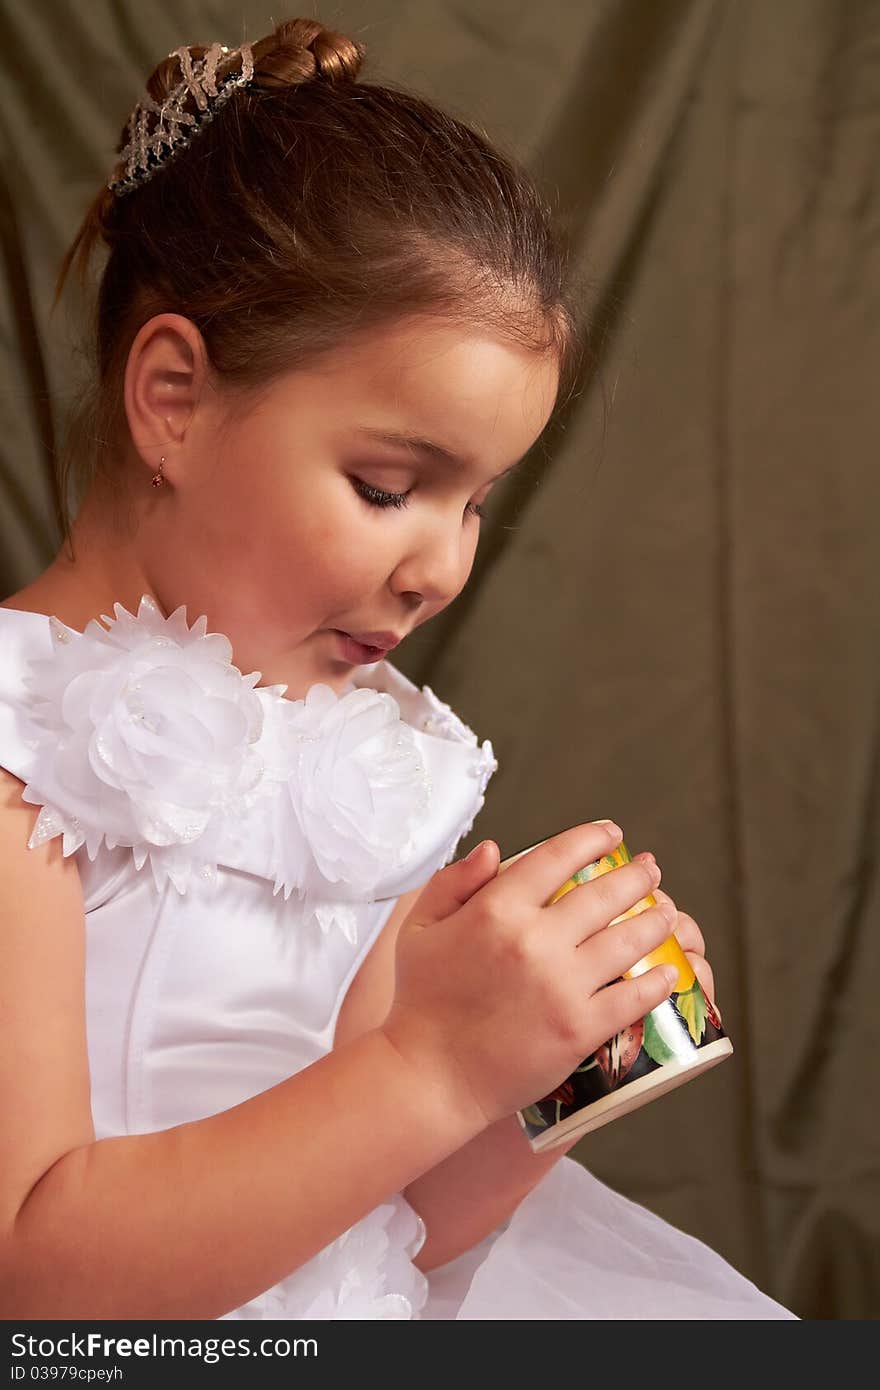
240	853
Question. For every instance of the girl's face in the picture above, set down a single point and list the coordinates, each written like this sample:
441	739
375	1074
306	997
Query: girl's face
292	519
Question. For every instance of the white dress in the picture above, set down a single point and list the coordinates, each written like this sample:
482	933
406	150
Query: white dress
240	853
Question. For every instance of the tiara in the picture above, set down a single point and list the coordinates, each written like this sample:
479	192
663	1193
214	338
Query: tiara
146	152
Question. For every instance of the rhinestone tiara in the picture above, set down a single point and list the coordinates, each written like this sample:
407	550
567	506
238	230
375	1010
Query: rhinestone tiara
147	150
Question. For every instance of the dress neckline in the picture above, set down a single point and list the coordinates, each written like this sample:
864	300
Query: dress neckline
143	734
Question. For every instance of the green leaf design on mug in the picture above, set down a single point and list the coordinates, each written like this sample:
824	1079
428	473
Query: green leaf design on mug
533	1115
653	1043
691	1004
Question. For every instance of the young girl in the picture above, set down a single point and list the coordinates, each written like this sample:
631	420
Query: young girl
263	1041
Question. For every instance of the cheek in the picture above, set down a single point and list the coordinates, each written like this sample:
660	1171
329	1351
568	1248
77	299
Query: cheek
233	510
306	533
335	556
469	549
348	556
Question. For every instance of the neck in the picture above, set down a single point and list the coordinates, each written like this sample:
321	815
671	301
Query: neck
99	567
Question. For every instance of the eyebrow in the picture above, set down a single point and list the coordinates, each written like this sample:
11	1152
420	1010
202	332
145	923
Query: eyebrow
404	439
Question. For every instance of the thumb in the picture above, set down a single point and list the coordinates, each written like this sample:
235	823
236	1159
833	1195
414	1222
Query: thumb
451	887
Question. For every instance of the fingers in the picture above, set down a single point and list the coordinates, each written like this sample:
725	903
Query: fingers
585	916
589	907
609	953
618	1006
690	938
703	971
534	874
691	941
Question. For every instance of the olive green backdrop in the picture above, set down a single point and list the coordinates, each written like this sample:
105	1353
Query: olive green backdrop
673	619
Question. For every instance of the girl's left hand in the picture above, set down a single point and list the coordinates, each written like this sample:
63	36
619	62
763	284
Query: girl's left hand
690	939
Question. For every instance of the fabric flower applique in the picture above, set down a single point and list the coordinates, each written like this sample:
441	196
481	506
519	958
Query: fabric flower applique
355	787
445	723
148	737
366	1274
356	1269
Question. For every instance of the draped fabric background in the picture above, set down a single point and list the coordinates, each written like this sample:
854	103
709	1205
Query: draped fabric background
673	619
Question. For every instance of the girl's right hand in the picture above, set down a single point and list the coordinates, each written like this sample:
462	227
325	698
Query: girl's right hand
508	996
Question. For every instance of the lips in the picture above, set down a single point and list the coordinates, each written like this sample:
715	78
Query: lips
382	640
357	653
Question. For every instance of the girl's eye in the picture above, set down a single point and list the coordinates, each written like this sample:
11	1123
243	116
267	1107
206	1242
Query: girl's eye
377	498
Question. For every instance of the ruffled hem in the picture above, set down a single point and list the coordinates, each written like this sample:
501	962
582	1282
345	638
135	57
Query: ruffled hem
365	1275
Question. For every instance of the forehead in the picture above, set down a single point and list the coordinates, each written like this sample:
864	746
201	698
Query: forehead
464	386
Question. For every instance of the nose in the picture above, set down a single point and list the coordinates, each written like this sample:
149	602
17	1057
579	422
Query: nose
436	567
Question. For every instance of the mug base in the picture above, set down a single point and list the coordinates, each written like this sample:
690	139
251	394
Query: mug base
631	1096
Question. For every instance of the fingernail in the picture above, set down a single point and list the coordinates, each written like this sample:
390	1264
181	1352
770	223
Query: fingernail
671	974
611	827
474	852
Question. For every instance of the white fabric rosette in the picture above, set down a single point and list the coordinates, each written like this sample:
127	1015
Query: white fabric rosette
148	735
445	723
354	789
366	1275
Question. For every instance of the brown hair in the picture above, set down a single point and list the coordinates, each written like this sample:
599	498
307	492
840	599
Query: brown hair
311	208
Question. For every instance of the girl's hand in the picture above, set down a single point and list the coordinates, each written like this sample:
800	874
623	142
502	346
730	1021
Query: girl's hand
690	939
497	997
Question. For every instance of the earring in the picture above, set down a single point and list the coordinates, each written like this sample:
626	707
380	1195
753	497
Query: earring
157	478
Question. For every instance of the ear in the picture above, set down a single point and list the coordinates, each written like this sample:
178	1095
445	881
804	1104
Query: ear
164	378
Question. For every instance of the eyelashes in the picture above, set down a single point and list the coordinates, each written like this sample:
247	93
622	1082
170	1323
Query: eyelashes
377	498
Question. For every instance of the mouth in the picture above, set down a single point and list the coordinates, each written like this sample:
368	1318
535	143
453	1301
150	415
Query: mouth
359	653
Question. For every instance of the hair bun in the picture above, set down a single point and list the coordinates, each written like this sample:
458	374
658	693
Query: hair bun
302	49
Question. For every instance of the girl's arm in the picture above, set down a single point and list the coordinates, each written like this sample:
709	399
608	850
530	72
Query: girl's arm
469	1193
192	1221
